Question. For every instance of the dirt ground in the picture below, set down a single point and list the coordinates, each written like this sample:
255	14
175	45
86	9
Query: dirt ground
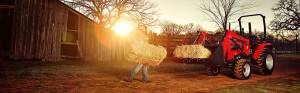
170	77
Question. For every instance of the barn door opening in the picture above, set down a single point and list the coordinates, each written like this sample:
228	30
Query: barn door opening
69	45
6	17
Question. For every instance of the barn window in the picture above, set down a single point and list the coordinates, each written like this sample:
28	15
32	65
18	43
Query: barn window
72	28
70	36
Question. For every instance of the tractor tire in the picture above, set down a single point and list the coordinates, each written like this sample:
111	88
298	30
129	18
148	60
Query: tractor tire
265	62
213	71
242	69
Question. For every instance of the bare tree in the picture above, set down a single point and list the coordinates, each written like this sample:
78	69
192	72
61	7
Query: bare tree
108	12
170	28
287	16
221	11
192	29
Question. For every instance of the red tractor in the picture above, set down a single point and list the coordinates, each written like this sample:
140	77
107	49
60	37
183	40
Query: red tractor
240	52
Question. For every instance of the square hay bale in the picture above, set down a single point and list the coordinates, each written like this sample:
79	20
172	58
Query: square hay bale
145	53
191	51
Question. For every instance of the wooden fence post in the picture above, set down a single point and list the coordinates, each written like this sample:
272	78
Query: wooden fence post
168	45
296	44
284	42
275	44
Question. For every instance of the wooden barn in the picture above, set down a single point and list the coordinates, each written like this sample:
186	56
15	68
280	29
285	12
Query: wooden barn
49	30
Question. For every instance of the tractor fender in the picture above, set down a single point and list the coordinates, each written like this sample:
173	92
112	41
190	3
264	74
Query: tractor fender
259	49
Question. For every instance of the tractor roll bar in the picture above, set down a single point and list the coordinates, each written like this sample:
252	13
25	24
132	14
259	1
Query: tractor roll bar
264	22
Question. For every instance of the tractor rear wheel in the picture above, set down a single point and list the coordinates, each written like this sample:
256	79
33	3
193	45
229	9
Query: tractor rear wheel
213	70
265	63
242	69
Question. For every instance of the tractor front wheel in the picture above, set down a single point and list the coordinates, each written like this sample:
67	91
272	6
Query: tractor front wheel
242	69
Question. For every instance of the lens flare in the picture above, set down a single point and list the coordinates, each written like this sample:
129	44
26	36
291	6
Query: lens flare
122	28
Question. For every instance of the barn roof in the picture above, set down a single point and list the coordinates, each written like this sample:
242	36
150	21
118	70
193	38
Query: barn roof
76	12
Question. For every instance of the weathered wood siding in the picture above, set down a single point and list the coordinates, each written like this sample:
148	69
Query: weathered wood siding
98	45
37	29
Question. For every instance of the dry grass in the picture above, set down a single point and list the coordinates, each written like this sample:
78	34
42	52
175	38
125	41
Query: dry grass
168	77
266	86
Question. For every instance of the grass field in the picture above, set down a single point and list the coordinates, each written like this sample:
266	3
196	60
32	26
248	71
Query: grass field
269	86
169	77
273	86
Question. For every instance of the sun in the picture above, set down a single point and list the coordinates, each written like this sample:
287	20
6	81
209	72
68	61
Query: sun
122	27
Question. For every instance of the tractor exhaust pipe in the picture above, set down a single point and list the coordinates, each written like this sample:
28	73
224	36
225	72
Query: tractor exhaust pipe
250	29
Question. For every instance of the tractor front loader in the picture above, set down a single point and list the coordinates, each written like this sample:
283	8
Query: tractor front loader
240	52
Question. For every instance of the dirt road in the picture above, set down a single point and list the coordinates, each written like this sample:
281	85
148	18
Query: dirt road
102	77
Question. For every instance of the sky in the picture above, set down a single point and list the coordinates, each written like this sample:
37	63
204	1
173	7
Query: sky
187	11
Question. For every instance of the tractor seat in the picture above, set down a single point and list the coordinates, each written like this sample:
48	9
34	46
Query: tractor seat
253	41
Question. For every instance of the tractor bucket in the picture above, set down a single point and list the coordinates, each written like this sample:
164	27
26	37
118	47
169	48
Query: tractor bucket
217	58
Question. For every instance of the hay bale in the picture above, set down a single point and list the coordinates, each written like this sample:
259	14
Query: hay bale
145	53
191	51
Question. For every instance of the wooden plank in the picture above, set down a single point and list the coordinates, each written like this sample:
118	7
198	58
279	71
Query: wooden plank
69	43
64	25
44	32
38	34
54	30
58	31
15	29
79	49
79	39
24	39
72	57
72	30
48	35
27	32
31	30
57	39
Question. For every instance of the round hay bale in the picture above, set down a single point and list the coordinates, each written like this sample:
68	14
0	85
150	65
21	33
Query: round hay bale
145	53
